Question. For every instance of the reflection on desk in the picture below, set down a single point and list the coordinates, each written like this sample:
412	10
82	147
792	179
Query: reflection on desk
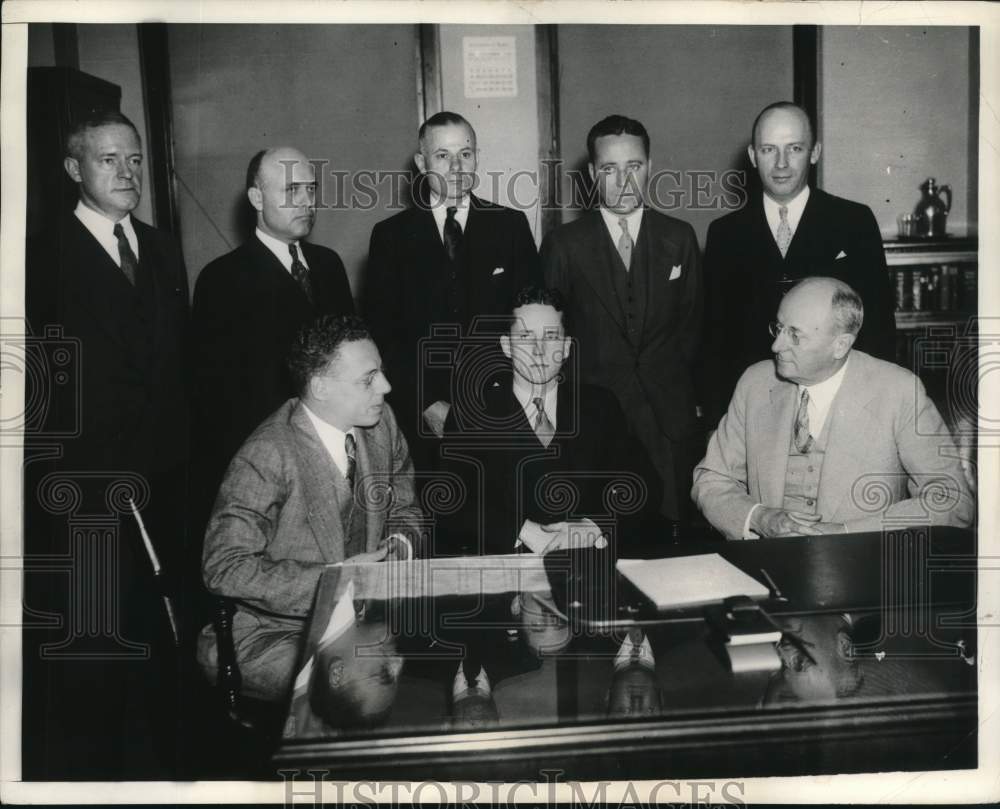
886	687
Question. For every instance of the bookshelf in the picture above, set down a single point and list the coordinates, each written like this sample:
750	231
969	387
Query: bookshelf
936	285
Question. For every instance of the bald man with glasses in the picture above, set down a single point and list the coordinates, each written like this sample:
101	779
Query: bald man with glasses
826	439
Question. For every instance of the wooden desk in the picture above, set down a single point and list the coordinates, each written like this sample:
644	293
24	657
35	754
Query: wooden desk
911	704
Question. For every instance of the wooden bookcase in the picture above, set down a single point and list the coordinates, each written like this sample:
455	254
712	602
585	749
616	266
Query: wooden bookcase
936	285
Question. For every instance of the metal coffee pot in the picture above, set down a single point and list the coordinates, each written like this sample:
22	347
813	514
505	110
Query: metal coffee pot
932	212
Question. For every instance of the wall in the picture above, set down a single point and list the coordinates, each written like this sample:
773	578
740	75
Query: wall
697	90
110	52
506	128
895	109
345	94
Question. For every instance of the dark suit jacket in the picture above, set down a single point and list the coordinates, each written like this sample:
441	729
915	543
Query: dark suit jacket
746	277
590	469
126	391
247	310
659	364
409	284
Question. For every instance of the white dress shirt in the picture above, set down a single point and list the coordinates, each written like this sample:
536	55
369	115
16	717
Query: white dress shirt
821	396
795	209
280	250
611	220
332	438
440	211
525	395
103	229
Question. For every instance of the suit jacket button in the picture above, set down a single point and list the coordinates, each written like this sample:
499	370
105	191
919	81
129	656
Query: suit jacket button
810	501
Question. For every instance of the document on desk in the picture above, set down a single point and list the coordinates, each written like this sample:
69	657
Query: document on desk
690	581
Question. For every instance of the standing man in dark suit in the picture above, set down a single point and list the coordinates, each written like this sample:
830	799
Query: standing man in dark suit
451	259
249	304
785	233
632	281
99	700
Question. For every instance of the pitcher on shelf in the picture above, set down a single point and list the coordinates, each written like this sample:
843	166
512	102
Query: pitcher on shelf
932	211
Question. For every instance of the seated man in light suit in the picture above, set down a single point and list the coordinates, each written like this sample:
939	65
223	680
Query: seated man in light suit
823	439
326	478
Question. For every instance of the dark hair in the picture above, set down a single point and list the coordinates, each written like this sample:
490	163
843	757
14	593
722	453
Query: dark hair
317	343
253	169
443	118
79	129
543	296
783	105
616	125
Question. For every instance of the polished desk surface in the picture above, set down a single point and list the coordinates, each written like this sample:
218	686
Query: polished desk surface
886	618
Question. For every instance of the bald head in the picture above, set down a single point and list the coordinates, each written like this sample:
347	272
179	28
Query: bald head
281	187
819	320
782	148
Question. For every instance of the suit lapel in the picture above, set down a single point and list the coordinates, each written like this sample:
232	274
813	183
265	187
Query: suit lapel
808	224
374	484
771	255
97	283
772	461
316	471
850	431
273	271
594	245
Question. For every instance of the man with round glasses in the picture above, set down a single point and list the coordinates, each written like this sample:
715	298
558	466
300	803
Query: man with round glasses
826	439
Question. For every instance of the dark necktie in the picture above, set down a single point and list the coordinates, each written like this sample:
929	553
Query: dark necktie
129	263
300	273
452	234
543	427
803	440
351	446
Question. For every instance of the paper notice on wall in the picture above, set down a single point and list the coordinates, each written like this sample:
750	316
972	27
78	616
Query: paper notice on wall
490	67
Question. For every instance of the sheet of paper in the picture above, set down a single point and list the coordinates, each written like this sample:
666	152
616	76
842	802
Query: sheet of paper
690	581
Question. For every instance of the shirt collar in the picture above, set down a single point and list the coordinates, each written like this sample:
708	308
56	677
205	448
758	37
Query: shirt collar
611	220
823	393
440	212
280	249
331	437
98	223
795	208
525	396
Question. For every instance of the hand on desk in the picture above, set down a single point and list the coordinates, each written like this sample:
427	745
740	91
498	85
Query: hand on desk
565	534
377	555
435	416
777	522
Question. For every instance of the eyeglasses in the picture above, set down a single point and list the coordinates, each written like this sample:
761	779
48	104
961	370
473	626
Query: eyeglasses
776	328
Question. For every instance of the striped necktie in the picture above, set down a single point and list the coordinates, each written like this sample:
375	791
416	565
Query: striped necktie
803	440
543	427
784	235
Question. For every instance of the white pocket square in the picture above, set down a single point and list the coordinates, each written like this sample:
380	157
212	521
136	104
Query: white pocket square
498	271
841	255
675	273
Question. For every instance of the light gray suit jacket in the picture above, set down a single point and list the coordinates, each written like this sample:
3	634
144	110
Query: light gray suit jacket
276	520
889	456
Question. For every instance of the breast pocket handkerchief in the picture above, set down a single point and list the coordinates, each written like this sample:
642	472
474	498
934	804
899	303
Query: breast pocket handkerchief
675	272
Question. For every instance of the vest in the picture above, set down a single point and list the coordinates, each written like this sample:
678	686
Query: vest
631	285
803	472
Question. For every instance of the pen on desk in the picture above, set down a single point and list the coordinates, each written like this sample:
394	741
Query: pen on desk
773	586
